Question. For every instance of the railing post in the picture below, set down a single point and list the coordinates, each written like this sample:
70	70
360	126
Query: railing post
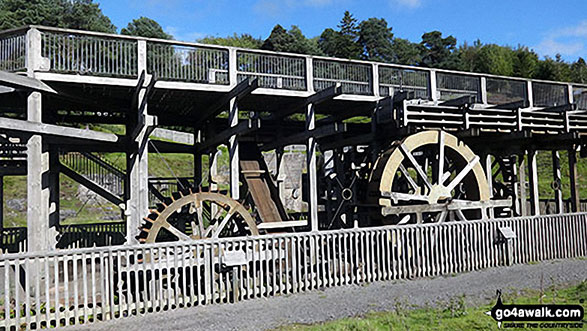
483	86
232	67
432	88
530	94
570	97
142	56
310	74
533	176
375	79
34	60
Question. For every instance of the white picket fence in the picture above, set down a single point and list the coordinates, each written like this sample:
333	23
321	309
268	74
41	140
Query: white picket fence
81	286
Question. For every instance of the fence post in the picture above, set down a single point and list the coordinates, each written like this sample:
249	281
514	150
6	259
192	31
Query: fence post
310	74
432	88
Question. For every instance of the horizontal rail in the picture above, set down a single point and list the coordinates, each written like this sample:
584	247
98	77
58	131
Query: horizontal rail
87	285
92	53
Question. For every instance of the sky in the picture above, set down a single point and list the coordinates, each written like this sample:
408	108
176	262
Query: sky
547	26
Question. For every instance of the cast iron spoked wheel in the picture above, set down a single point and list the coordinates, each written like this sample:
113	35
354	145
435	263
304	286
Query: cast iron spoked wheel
197	215
423	172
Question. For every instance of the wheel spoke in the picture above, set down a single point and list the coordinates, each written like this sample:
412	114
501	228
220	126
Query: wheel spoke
176	232
413	161
409	178
459	178
221	226
396	196
440	157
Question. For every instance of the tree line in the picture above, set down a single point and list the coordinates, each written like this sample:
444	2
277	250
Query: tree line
371	39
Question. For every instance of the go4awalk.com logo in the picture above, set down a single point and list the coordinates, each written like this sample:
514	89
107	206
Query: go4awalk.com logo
549	316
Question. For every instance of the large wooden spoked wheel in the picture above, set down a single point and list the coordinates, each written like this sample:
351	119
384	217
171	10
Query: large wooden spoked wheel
198	215
416	179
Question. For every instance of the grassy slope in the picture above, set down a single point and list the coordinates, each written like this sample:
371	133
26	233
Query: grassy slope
453	315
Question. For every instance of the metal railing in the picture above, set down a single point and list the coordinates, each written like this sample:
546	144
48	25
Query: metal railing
501	91
96	169
549	95
91	235
355	78
13	50
87	285
277	72
14	240
99	54
392	80
89	55
451	86
188	63
166	186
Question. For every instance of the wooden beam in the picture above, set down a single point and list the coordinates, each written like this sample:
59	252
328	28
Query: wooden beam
243	127
314	99
23	82
460	101
30	127
240	90
511	105
298	138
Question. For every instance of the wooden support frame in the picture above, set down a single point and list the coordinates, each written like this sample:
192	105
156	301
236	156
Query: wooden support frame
321	132
242	128
533	183
242	89
311	149
557	182
574	177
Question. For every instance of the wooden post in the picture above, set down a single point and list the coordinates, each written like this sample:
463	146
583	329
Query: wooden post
489	176
40	236
533	183
137	159
432	87
556	174
312	170
575	203
233	151
522	186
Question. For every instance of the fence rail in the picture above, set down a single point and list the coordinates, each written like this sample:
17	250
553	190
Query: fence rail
87	285
96	54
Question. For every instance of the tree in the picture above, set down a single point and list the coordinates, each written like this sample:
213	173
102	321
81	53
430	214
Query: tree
525	62
579	71
145	27
375	38
292	41
243	40
496	60
437	52
73	14
342	43
405	52
553	69
468	55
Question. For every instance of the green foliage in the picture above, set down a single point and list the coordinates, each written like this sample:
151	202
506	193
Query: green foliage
145	27
525	62
243	40
375	38
292	41
495	59
405	52
438	52
75	14
342	43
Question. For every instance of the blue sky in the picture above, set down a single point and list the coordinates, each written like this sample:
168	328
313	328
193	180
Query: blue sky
547	26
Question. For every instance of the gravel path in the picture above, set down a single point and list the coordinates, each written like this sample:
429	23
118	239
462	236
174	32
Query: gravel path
338	302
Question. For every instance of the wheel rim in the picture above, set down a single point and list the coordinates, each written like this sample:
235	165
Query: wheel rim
200	215
412	174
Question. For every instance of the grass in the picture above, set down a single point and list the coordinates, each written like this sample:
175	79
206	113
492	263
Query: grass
451	315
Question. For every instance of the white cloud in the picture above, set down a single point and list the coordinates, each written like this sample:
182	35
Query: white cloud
407	3
179	34
568	41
